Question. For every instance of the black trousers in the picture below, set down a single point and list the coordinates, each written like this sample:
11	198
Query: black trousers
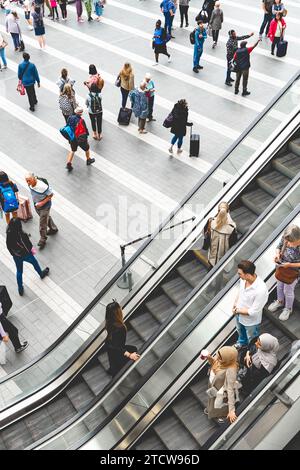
31	96
184	14
150	107
12	331
117	360
125	94
215	35
275	44
96	121
63	8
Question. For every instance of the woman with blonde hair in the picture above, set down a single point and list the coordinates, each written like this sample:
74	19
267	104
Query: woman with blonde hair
67	101
126	77
222	234
223	379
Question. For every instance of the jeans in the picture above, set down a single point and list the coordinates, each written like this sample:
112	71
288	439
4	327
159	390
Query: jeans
180	140
286	293
228	74
246	333
168	22
125	94
54	10
96	121
197	54
16	39
31	96
215	35
2	55
184	13
19	264
275	44
150	106
46	221
266	23
239	74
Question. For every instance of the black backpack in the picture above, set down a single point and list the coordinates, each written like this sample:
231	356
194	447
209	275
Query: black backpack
96	105
192	37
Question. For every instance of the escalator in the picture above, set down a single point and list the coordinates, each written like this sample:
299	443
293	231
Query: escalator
151	316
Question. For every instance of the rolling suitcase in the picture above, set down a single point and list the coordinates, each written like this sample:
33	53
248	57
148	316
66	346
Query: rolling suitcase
282	48
124	116
5	300
194	144
24	210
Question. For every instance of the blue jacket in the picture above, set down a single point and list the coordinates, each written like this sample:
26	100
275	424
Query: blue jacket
139	103
31	74
168	5
200	41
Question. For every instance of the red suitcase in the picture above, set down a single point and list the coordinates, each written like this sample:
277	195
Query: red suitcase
24	210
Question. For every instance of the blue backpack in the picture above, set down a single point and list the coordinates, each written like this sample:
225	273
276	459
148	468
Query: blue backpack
68	133
8	199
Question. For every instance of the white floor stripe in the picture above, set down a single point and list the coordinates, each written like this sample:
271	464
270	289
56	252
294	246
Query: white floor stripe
203	121
258	9
197	82
223	39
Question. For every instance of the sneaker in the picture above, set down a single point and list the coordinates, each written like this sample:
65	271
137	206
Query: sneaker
221	420
275	306
236	92
42	244
45	273
187	25
214	45
285	314
200	67
23	347
181	26
90	161
171	150
246	93
4	67
195	69
228	83
69	166
52	232
21	291
31	109
155	63
169	60
179	150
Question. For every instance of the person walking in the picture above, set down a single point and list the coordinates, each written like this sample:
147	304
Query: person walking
53	4
98	8
215	23
278	7
249	303
88	7
3	45
180	122
208	6
119	353
231	48
28	74
78	4
159	43
63	80
139	105
223	377
21	249
150	93
242	59
81	133
38	25
42	195
184	12
27	4
13	28
168	9
200	36
267	9
67	101
8	331
95	77
127	82
276	31
9	200
63	9
222	230
94	105
287	259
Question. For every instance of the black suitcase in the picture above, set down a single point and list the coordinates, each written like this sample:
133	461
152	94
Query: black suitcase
194	144
5	300
282	48
124	116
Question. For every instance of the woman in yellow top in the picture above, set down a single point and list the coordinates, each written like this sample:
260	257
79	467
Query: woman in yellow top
127	82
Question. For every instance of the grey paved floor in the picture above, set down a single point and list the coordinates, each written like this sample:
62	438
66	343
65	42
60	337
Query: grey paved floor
83	252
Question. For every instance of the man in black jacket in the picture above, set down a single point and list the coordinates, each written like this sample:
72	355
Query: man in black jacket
231	47
242	59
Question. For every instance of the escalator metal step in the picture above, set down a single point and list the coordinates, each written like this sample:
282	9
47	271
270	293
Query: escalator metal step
39	424
163	345
150	441
199	390
243	217
80	395
96	378
103	359
273	182
96	417
177	289
288	164
61	410
190	413
174	435
294	146
257	200
160	307
144	324
147	361
192	272
17	436
2	445
179	326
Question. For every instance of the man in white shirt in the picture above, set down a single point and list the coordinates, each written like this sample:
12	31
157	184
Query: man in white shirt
249	303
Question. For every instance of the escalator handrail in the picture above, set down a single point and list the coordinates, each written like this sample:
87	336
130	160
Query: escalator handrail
205	280
276	233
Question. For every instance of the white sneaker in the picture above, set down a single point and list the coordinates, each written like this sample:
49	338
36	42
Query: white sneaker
155	63
171	150
285	314
169	60
276	305
179	150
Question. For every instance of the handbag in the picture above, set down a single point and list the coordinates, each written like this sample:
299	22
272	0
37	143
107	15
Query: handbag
234	67
20	86
118	81
168	122
286	275
209	31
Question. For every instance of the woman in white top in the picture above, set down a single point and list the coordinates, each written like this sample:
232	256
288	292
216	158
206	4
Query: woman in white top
12	27
3	45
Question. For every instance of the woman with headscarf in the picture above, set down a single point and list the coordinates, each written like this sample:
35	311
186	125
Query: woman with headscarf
260	361
222	234
223	375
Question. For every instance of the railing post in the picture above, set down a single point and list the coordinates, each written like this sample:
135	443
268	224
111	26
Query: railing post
125	282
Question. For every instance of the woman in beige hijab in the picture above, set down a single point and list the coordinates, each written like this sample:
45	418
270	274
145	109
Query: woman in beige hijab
224	368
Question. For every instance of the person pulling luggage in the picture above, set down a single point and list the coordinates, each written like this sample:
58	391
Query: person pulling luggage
276	32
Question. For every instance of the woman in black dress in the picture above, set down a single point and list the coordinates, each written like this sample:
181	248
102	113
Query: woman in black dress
118	351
